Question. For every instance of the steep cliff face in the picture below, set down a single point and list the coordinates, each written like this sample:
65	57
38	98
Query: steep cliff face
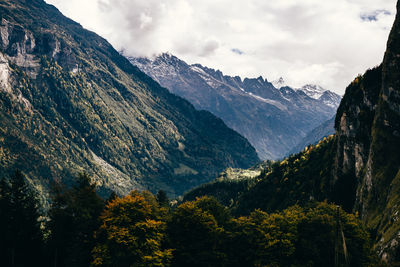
70	103
353	125
383	166
368	129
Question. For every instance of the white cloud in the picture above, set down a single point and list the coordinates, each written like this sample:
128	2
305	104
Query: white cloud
311	41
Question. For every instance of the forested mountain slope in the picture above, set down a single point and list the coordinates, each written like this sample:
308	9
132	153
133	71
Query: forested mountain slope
69	102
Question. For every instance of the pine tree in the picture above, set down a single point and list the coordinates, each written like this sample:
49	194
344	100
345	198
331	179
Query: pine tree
21	240
74	216
162	198
196	233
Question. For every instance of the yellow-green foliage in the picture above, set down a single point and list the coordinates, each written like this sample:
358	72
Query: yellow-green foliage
139	230
131	233
197	235
296	179
299	237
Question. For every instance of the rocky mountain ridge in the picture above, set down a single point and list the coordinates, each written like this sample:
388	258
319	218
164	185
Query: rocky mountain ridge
314	91
273	119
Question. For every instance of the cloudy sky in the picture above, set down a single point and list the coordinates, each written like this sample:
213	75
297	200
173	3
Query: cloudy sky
327	42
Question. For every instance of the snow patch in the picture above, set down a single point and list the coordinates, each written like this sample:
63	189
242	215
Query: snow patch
270	101
313	91
278	84
199	70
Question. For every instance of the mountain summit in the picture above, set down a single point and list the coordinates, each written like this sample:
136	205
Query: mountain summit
279	83
274	118
313	91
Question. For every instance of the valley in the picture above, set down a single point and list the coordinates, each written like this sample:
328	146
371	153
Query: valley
114	161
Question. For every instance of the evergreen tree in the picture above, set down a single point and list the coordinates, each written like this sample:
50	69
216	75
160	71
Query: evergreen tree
197	235
74	216
111	197
326	226
263	239
162	198
21	239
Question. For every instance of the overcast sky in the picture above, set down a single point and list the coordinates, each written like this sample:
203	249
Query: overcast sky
327	42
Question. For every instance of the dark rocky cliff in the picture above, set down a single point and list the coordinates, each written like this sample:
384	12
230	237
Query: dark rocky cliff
368	127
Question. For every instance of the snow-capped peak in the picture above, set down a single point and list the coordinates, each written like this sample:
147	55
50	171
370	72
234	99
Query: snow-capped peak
312	90
278	84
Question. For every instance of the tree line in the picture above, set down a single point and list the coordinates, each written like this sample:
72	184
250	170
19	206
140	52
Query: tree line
141	229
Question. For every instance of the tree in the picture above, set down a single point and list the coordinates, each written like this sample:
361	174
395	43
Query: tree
196	233
263	239
74	216
299	237
132	233
21	239
162	198
318	236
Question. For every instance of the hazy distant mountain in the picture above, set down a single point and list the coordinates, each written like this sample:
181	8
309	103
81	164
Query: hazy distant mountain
272	116
325	129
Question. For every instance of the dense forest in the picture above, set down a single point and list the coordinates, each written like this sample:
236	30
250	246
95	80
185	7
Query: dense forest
141	229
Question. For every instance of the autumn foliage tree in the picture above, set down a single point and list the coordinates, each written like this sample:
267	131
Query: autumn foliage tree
132	233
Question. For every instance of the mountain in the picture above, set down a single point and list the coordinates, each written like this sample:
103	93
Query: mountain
279	83
70	103
357	168
317	92
314	91
324	130
273	118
